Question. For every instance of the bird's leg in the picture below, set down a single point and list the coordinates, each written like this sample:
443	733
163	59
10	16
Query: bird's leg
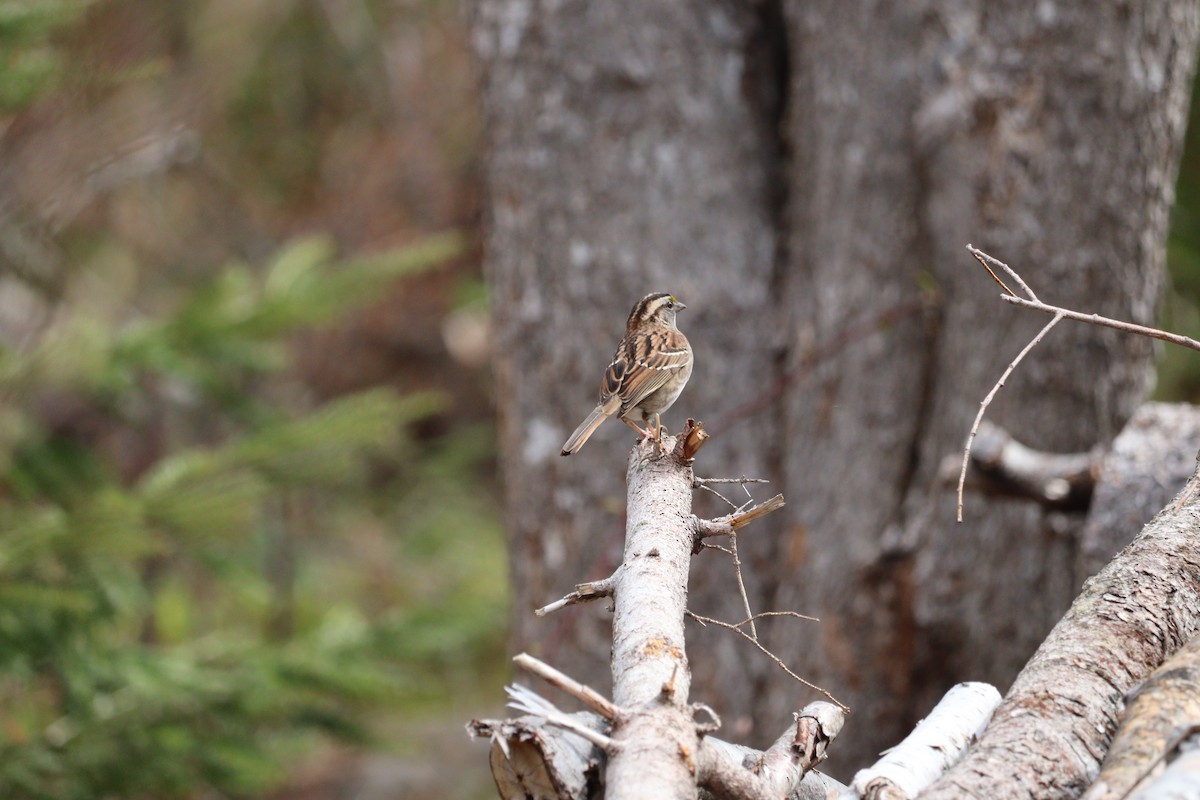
643	432
658	430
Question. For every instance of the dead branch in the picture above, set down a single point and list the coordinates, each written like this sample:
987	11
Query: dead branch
657	741
532	758
1159	715
989	262
584	593
698	482
525	699
1003	467
962	476
741	584
849	335
589	696
991	265
778	661
935	744
528	758
693	438
1048	735
739	773
728	524
648	739
1105	322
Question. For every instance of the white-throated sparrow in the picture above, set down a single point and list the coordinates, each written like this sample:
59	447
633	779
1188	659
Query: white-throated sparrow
649	370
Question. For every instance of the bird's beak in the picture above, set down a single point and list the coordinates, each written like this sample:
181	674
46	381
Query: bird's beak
679	305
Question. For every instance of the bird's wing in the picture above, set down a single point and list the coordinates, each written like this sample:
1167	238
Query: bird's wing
642	364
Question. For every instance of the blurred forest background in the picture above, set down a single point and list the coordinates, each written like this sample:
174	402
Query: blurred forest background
249	527
249	542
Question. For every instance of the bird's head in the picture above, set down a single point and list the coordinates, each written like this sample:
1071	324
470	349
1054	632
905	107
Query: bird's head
656	308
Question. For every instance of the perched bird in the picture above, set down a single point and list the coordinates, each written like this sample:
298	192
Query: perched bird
649	370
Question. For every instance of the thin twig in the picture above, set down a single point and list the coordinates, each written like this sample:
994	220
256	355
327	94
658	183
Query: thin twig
840	340
1107	322
730	503
1058	313
698	482
762	614
962	475
989	262
737	571
584	593
586	694
778	661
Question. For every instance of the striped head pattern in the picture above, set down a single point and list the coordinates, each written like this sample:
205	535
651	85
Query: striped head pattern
656	308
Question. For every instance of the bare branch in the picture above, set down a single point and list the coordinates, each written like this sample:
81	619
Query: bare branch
589	696
725	526
962	476
989	262
1059	314
784	769
741	584
584	593
778	661
1106	322
1002	466
648	653
935	744
762	614
698	482
727	501
692	439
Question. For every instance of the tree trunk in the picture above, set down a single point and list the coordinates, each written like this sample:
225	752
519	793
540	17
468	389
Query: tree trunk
639	146
632	148
1048	135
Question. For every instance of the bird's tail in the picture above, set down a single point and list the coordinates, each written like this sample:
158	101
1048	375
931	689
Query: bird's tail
589	425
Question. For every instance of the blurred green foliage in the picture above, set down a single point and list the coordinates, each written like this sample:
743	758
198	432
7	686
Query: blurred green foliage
207	561
1179	369
29	61
145	645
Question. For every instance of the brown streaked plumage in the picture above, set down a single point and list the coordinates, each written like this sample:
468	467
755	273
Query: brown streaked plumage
650	368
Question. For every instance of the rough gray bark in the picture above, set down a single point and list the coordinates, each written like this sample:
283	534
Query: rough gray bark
1050	733
1149	462
636	146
